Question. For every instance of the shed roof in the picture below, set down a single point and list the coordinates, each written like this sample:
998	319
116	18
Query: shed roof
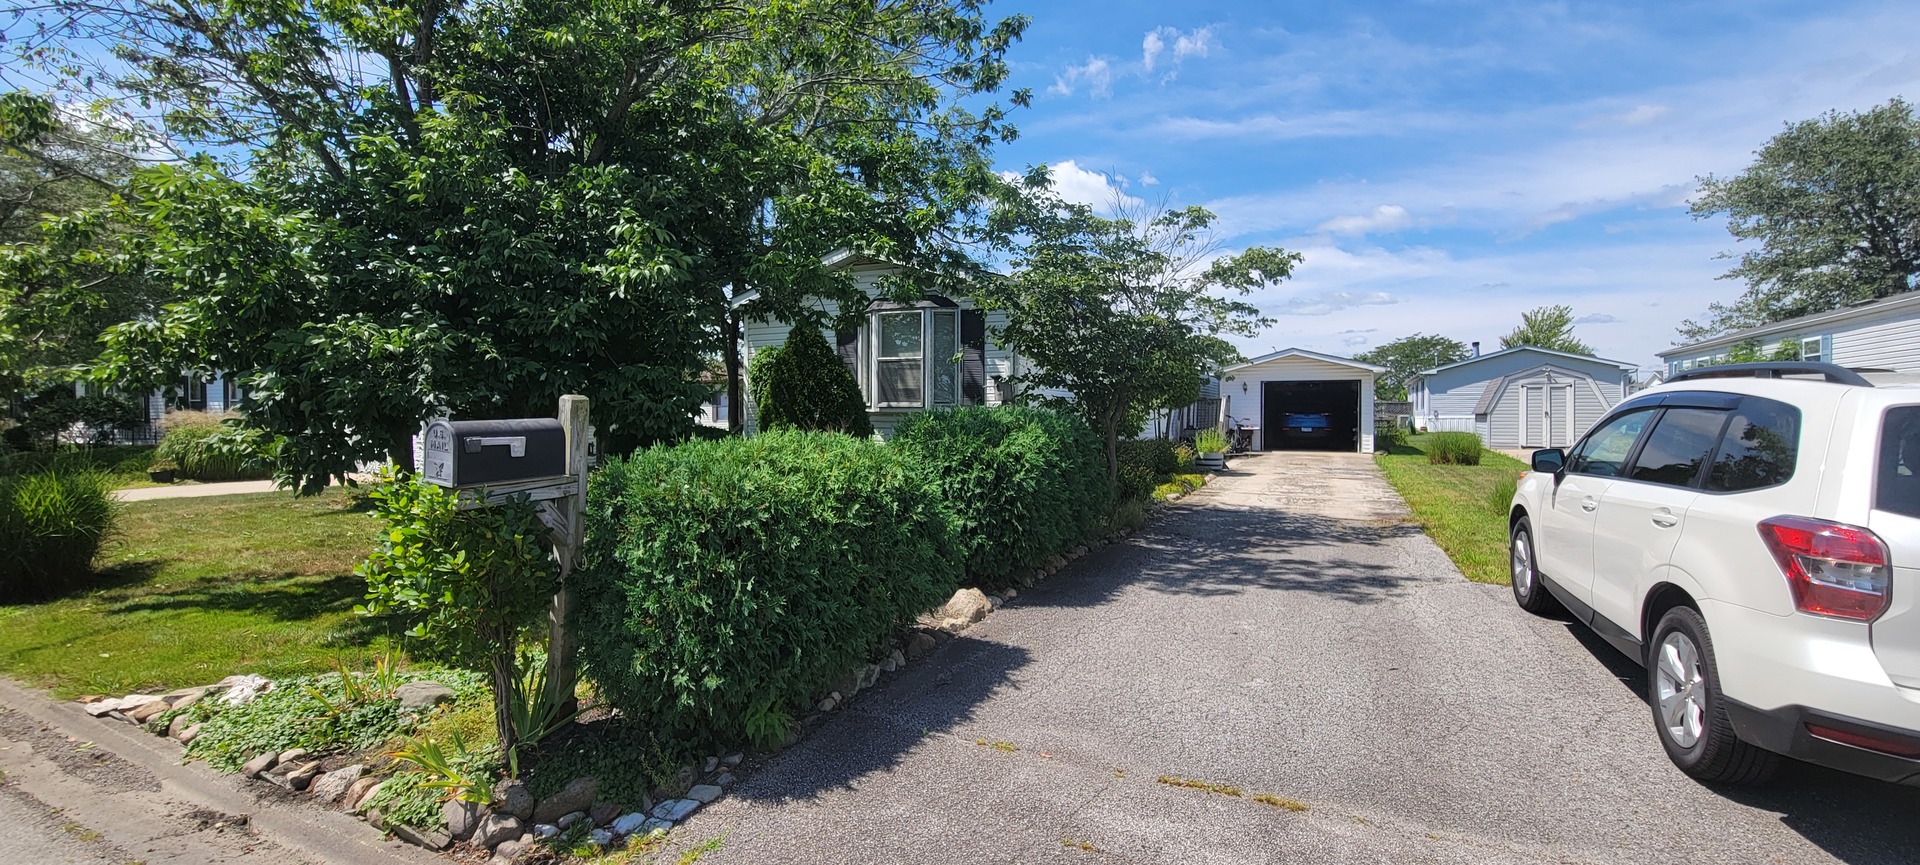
1519	348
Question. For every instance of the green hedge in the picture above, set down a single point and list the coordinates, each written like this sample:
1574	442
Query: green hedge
206	449
726	583
1453	448
1019	484
51	525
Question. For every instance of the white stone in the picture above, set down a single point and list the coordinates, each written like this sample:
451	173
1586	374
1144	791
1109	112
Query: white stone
627	824
543	831
242	689
968	604
601	838
711	763
675	810
724	779
704	793
657	825
733	759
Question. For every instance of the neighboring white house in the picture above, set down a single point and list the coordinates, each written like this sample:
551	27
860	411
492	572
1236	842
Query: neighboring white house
1524	397
1877	334
907	357
1266	390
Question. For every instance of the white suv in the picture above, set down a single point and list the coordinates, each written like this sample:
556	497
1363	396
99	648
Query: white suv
1751	534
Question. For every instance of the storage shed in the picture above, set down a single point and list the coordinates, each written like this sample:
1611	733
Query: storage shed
1289	394
1525	397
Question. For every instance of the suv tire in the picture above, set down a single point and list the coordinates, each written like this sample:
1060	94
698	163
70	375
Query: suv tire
1689	712
1524	569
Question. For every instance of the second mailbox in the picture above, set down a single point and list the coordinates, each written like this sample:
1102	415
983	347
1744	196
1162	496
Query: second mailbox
471	453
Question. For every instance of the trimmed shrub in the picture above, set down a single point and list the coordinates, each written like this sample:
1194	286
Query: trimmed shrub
205	448
804	385
1388	436
725	584
1019	484
1454	448
51	525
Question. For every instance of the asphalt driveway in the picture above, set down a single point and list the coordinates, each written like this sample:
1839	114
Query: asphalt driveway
1280	632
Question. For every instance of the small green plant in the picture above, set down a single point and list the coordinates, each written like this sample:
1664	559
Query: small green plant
1454	448
464	772
1210	441
206	447
1500	497
536	711
1183	456
407	798
766	724
52	524
312	712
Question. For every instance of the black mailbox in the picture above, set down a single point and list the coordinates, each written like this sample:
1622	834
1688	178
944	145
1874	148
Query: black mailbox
471	453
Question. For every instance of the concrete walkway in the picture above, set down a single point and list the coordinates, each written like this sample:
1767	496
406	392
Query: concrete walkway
1278	632
193	491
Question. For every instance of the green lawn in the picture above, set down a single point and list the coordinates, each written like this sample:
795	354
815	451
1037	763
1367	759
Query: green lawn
1452	504
192	590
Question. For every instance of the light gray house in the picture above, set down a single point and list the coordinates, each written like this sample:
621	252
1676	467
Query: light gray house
1522	397
906	357
1877	334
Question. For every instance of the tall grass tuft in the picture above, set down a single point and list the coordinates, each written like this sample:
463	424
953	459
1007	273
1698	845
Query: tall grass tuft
207	449
1454	448
1500	498
52	523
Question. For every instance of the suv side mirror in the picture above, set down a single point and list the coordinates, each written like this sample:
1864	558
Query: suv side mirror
1550	461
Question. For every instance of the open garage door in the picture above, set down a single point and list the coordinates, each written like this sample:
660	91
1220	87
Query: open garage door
1310	415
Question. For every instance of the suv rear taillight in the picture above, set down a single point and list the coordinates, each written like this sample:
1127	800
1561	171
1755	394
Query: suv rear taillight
1833	569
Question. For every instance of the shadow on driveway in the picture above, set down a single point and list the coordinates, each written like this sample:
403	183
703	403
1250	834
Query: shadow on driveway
1857	820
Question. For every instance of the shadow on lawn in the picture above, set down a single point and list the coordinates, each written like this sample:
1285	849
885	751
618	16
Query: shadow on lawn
284	597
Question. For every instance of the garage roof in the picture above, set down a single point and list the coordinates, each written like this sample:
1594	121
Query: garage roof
1310	355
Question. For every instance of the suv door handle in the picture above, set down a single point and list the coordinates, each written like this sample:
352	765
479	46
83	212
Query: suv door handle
1588	505
1665	520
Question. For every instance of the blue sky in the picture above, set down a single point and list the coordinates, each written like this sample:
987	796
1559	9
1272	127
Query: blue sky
1445	165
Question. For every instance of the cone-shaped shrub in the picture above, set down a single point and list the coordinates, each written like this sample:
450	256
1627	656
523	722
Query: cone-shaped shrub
804	385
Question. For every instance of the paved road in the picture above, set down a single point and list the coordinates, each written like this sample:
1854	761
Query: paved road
1279	632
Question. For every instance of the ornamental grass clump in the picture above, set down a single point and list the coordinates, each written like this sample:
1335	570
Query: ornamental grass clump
205	448
726	583
1018	484
52	524
1454	448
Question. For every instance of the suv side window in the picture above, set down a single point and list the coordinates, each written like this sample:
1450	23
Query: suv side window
1898	489
1679	445
1759	449
1605	449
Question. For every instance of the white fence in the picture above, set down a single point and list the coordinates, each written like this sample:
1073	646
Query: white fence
1450	423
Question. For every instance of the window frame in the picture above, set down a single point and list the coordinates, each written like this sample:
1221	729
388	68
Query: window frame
1883	443
870	344
1819	349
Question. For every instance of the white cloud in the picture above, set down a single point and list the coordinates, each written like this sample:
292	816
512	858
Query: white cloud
1385	218
1643	114
1197	42
1096	74
1596	318
1147	179
1091	188
1329	302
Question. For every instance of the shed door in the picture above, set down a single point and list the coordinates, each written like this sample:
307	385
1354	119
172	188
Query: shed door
1546	416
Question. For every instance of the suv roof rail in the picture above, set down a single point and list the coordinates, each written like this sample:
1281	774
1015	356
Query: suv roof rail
1774	369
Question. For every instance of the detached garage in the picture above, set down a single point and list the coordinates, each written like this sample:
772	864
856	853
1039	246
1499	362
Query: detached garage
1303	400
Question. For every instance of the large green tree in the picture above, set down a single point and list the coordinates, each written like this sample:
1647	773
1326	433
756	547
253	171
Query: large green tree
59	283
1549	327
472	207
1834	206
1124	314
1406	357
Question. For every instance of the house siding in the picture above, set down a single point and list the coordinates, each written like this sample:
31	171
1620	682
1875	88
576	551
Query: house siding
1872	338
1885	344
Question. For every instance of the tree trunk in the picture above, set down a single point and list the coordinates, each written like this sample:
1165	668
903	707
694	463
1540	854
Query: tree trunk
504	680
401	452
1111	430
736	409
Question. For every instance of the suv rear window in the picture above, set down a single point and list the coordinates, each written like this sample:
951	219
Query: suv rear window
1899	487
1759	448
1678	446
